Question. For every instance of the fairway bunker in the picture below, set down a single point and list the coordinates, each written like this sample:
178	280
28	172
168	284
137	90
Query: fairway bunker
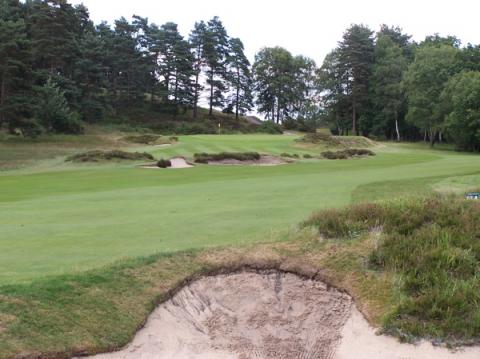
265	314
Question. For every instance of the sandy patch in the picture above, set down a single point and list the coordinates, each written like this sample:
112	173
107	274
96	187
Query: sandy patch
266	315
163	145
359	341
177	162
265	160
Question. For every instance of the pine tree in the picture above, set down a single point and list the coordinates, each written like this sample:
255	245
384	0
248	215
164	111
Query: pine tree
387	91
356	59
240	78
197	43
216	53
15	66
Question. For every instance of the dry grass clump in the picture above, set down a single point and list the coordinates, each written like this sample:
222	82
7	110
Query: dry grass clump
215	157
346	154
98	156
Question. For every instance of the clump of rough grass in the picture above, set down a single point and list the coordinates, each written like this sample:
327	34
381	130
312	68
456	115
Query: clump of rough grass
163	163
98	155
289	155
145	139
307	156
347	153
433	246
318	137
239	156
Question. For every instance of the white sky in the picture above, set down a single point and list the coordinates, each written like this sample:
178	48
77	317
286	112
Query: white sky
306	27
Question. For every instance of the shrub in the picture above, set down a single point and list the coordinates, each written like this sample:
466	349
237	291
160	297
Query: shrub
306	155
269	127
289	155
334	155
239	156
97	156
173	138
54	113
345	154
163	163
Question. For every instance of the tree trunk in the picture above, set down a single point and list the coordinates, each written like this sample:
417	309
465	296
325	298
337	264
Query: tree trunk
176	89
210	112
354	117
278	112
2	99
425	135
195	96
432	138
238	94
396	127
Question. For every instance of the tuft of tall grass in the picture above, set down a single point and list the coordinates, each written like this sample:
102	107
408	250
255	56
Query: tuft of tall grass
433	246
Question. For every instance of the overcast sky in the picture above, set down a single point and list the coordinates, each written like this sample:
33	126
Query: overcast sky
306	27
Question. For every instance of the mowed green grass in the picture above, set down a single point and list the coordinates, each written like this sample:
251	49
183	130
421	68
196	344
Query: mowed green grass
64	218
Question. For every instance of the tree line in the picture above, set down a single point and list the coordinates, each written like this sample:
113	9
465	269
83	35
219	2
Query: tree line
59	70
385	85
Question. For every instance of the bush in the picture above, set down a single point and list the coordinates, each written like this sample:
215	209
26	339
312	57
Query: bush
289	155
239	156
345	154
97	156
173	139
163	163
307	156
53	111
269	127
26	127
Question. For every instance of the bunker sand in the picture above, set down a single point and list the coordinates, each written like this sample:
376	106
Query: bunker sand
265	315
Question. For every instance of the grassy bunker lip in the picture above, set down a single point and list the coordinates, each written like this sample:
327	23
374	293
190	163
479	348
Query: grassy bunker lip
113	155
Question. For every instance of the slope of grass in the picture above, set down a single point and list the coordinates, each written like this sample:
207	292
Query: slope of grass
65	218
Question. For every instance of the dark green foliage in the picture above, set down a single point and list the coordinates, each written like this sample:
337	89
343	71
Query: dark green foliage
269	127
53	112
460	100
307	156
163	163
433	245
289	155
347	153
284	85
97	156
239	156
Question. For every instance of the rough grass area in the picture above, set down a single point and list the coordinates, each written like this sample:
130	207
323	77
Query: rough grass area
150	139
347	153
328	141
98	156
214	157
433	246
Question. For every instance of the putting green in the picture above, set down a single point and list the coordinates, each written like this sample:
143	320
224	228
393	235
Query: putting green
65	217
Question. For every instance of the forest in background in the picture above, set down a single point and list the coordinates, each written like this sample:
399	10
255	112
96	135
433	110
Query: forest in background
60	71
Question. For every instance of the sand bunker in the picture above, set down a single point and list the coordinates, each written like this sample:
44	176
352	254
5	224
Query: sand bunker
177	162
266	315
265	160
